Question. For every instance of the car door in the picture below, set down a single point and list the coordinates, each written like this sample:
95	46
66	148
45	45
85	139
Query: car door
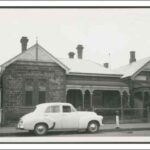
54	112
70	118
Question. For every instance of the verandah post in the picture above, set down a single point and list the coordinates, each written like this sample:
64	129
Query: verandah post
121	105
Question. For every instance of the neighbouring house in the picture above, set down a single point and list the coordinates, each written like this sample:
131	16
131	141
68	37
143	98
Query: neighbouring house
137	75
36	76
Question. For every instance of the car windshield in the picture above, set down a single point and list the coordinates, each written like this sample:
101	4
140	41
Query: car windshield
73	109
34	108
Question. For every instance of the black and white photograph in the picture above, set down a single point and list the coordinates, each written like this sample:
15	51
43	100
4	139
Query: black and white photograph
76	75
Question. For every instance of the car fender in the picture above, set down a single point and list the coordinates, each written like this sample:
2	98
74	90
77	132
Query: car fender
31	123
83	122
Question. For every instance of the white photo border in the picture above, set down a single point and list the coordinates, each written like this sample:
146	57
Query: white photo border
72	4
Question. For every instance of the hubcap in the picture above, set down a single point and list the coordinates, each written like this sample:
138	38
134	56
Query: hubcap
41	129
93	127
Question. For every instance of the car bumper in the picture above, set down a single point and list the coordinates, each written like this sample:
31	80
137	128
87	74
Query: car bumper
20	128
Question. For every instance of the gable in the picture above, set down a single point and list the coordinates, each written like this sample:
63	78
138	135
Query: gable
131	70
147	67
35	53
144	73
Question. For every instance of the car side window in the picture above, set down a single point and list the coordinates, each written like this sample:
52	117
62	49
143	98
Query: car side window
66	109
53	109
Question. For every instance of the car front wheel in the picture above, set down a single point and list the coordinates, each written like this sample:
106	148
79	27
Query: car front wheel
93	127
40	129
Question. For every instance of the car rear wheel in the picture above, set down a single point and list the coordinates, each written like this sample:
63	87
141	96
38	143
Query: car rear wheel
93	127
31	131
40	129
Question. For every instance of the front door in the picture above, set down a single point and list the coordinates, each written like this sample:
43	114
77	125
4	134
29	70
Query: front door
70	119
54	112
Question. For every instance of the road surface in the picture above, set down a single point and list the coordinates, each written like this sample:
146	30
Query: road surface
53	137
101	136
83	134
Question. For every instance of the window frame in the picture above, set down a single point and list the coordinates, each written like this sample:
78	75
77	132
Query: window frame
39	92
28	87
25	102
46	110
66	111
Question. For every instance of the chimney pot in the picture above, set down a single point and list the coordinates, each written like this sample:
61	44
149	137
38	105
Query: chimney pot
80	51
24	40
132	57
71	55
106	65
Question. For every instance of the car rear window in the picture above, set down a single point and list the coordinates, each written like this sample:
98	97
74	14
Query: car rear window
53	109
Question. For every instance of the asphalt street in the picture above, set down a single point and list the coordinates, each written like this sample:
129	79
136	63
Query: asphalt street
83	134
76	137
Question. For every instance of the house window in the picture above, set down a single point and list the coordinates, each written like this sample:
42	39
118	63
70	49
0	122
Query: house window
148	76
29	92
28	98
42	97
42	90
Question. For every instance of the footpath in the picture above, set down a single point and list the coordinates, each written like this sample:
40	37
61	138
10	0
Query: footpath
126	127
11	130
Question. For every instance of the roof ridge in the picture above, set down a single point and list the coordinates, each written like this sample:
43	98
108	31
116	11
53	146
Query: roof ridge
84	60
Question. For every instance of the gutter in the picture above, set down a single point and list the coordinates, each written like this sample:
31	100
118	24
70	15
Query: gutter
94	74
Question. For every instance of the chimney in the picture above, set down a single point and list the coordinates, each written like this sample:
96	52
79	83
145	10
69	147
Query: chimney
106	65
71	55
80	51
132	57
24	40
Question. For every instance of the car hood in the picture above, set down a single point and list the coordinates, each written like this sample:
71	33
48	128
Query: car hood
86	113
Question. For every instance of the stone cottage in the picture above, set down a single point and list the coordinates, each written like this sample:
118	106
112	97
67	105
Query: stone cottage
35	76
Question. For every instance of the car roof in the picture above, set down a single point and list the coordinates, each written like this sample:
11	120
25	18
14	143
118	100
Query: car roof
50	104
43	106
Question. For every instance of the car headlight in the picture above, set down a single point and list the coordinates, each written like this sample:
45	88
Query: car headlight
20	123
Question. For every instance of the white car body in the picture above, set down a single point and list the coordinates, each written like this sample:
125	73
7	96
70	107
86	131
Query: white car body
58	116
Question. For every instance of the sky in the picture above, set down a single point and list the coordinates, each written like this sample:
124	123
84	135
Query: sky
107	35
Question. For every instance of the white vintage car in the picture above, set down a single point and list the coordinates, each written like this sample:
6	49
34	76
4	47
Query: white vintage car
59	117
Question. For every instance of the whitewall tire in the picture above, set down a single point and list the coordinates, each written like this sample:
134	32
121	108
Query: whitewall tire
93	127
40	129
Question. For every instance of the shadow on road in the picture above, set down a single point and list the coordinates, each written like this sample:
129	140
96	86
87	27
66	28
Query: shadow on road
51	133
60	133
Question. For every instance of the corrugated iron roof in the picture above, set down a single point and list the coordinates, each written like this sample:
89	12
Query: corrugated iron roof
131	69
80	66
86	66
